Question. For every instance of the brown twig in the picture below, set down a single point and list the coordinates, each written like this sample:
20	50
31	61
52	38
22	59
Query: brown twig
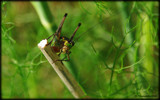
61	70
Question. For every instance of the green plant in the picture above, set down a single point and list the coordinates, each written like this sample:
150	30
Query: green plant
115	56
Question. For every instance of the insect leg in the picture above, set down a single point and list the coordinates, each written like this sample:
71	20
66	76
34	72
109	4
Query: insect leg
75	32
51	35
51	40
60	52
68	57
61	59
58	31
65	58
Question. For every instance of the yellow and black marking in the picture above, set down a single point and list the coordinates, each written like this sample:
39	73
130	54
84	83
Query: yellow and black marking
62	44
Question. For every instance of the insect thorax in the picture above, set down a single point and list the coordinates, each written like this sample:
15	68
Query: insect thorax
62	44
66	42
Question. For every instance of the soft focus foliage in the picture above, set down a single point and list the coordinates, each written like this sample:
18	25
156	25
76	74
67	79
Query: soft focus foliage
116	55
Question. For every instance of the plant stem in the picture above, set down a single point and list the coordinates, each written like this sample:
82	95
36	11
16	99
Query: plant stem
48	22
45	16
62	71
140	79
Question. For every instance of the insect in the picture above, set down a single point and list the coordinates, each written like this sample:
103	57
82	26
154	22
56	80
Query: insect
62	44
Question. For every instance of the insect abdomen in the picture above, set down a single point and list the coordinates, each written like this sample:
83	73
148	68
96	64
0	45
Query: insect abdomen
56	49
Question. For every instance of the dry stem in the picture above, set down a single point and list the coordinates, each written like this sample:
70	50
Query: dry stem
61	70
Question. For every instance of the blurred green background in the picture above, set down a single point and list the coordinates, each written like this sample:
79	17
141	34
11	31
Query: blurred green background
116	55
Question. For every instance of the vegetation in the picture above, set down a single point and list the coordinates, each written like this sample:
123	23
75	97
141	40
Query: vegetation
115	54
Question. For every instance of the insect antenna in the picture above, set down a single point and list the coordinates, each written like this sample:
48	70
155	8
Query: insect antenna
75	32
88	30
